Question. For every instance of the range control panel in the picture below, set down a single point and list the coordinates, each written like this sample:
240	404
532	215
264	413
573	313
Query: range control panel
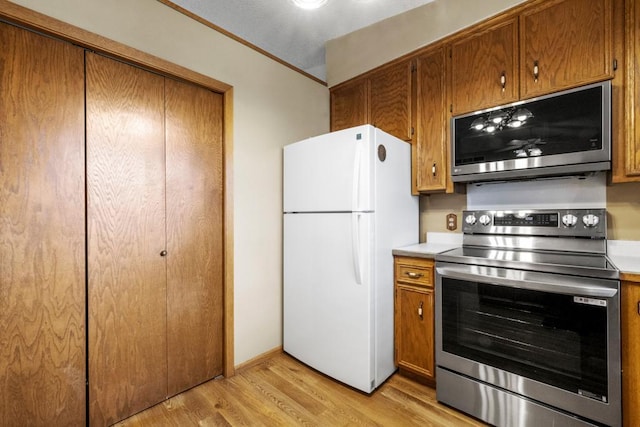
547	222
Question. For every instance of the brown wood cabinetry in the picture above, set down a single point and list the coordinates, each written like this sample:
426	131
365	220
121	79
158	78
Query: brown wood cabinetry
350	104
42	237
626	161
565	43
154	185
484	69
391	100
430	159
382	98
559	43
414	317
630	337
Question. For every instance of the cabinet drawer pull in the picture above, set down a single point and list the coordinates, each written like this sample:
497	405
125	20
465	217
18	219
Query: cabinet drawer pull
420	310
536	71
413	275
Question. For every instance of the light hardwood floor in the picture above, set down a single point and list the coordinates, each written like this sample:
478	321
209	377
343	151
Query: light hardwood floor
281	391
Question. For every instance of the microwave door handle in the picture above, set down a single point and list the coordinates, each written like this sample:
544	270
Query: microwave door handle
561	285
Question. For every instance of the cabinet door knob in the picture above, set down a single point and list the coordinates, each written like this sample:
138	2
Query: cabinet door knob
536	71
433	169
163	253
420	310
503	80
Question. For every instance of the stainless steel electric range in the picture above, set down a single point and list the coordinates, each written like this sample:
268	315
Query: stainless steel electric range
527	320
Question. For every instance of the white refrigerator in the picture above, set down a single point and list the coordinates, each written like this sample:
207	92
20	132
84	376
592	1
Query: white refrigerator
347	204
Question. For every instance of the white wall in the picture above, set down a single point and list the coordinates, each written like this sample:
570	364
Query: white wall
273	106
365	49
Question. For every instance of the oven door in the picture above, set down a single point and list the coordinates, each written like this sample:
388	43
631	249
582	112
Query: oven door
547	337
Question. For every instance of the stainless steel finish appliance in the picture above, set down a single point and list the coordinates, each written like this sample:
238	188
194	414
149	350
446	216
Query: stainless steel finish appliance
564	133
527	320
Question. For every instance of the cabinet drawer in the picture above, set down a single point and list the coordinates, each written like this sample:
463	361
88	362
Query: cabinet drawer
414	271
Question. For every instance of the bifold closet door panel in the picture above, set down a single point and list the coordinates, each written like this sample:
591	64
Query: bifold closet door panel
42	239
194	234
126	232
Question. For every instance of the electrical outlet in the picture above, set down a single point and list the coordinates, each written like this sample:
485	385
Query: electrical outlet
452	222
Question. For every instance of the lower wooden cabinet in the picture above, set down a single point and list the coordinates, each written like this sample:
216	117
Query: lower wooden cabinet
630	338
414	318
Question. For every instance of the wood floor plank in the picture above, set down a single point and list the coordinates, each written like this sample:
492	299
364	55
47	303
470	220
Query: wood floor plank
281	391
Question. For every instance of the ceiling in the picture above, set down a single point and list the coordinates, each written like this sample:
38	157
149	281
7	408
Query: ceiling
295	36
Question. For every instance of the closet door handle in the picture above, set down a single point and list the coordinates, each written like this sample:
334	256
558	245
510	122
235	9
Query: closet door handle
163	253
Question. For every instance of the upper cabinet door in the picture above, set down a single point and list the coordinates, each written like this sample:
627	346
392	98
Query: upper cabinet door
391	100
431	143
350	105
484	68
565	43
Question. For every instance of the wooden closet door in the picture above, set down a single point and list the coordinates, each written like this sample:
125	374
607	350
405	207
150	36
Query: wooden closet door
126	232
42	239
194	234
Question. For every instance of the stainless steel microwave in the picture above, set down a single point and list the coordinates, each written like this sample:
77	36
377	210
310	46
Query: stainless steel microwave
565	133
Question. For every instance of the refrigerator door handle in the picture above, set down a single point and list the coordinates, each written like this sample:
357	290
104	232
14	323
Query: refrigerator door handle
355	199
355	245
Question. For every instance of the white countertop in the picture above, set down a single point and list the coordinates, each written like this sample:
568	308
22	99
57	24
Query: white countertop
435	244
625	255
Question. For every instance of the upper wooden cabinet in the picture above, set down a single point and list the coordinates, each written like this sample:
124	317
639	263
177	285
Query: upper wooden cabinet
560	44
350	104
626	161
484	69
391	100
431	171
382	98
565	43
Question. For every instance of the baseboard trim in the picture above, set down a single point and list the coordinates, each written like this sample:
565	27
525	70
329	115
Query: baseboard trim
259	359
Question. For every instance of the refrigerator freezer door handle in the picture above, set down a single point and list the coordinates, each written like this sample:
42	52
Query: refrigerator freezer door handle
355	199
355	245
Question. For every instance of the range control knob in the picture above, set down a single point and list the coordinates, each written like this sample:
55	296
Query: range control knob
590	220
470	219
569	220
485	219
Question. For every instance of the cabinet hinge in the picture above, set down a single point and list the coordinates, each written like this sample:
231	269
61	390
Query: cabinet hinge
615	64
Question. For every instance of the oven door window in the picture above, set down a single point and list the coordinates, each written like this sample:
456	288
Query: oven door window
560	340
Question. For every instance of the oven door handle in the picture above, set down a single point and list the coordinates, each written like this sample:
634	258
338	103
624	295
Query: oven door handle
528	280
